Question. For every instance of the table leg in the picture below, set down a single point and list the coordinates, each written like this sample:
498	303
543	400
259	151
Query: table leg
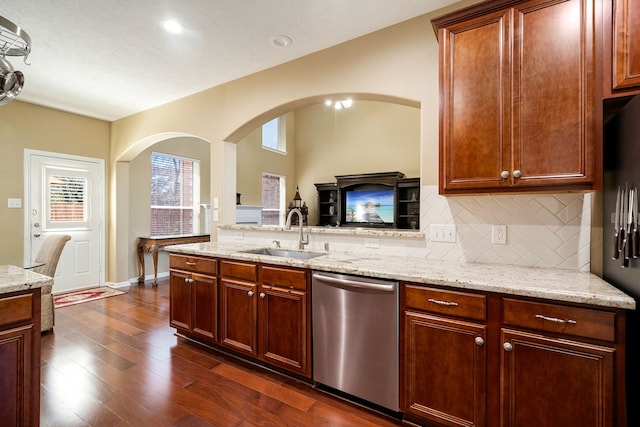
141	262
154	252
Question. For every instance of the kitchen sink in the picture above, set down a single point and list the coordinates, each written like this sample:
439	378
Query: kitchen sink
283	253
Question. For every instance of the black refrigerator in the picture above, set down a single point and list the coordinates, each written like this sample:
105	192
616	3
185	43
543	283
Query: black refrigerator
621	168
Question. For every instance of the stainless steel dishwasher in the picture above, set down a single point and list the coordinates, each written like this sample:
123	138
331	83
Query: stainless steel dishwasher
355	336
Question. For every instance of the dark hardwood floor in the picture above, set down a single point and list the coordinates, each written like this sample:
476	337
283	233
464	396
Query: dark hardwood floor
116	362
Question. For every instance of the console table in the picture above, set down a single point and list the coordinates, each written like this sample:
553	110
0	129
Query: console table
154	244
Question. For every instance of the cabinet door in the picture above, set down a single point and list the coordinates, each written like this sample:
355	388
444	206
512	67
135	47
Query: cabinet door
238	310
475	97
626	44
555	382
205	306
444	370
16	379
180	300
554	93
284	329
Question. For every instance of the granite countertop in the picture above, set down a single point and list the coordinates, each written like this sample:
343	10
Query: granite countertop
13	279
546	283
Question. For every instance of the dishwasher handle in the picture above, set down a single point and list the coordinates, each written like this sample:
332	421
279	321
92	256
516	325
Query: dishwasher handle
356	283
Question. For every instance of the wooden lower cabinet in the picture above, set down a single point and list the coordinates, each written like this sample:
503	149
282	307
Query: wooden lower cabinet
238	316
20	359
555	381
285	319
445	370
263	311
194	296
509	362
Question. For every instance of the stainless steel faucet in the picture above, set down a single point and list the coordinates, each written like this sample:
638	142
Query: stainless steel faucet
301	239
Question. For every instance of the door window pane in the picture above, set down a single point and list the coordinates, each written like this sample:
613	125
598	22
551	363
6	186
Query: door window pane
67	199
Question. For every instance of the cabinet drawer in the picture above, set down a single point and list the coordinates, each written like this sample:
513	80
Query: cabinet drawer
239	270
194	264
580	322
284	277
451	303
16	309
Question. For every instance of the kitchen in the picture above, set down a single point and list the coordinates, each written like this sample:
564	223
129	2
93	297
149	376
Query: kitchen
416	64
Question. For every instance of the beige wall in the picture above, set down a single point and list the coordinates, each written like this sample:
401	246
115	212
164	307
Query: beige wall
397	63
252	160
140	195
370	137
27	126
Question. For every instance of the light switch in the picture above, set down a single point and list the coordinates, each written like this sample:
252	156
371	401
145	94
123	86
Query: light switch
14	203
216	215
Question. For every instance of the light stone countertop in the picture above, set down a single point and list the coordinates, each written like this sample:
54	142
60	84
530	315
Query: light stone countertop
13	279
546	283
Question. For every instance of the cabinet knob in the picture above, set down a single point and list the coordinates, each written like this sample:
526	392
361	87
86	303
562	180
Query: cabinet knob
262	295
479	341
507	346
517	173
250	293
504	174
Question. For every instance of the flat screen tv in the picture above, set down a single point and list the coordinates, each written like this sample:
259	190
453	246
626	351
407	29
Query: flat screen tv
371	207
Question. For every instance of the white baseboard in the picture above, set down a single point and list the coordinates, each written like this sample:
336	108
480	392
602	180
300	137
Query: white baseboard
147	278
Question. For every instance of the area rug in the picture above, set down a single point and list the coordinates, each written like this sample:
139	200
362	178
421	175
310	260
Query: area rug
76	297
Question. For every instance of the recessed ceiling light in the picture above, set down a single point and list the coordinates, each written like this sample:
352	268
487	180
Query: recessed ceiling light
280	41
171	26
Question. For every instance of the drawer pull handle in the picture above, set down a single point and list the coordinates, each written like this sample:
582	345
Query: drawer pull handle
190	263
440	302
555	319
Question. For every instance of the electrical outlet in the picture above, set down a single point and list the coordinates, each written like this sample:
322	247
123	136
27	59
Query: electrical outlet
499	234
443	233
372	243
14	203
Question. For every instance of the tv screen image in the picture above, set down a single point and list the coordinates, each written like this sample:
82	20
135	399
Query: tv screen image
369	206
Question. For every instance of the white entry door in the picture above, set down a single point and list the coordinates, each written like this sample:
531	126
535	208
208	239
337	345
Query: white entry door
65	194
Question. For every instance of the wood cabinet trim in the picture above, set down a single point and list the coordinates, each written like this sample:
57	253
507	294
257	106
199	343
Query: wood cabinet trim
560	319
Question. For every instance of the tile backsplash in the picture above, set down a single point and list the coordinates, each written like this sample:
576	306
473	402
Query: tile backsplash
549	230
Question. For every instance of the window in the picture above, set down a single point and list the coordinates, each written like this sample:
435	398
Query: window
67	197
274	135
273	193
175	195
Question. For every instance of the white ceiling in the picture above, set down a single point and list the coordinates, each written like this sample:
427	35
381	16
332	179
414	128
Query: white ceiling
110	59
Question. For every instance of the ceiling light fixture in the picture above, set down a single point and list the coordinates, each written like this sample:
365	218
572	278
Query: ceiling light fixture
171	26
14	41
339	105
280	41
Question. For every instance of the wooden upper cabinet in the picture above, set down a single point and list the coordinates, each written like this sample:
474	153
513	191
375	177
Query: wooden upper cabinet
626	44
518	97
474	127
